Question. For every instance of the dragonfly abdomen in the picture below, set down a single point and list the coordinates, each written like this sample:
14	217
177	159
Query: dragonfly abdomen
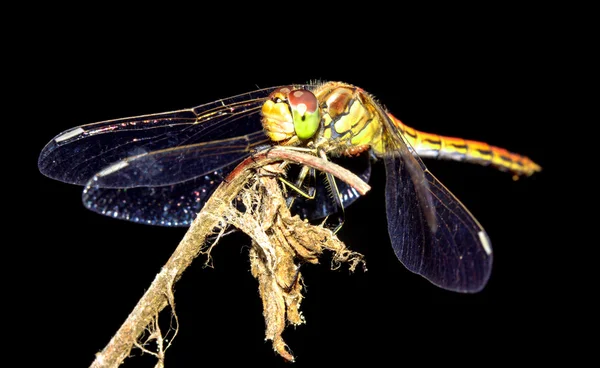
430	145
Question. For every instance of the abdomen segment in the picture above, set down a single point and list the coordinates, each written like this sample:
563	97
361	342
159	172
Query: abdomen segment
449	148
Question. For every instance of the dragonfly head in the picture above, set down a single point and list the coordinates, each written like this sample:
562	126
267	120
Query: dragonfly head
291	112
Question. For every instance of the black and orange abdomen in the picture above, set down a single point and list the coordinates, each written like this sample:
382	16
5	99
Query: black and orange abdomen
458	149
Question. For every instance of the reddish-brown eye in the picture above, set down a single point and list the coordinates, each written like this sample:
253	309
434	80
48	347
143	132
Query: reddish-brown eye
305	112
300	97
280	94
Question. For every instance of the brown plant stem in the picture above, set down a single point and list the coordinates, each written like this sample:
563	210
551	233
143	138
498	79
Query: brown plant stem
217	214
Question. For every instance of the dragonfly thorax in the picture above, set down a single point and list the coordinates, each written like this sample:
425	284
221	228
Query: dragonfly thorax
337	118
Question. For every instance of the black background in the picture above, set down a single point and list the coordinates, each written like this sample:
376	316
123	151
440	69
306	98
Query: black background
479	80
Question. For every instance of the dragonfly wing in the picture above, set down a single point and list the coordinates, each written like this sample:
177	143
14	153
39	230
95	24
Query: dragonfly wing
166	187
171	186
75	155
458	254
170	205
179	164
432	232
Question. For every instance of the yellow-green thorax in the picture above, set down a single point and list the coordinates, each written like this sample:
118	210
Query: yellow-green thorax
348	119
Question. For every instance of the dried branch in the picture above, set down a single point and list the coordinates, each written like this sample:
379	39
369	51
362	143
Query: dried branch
278	239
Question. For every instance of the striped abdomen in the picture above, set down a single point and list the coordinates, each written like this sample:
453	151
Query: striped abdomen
458	149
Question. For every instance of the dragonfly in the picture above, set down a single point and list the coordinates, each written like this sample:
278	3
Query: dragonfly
160	169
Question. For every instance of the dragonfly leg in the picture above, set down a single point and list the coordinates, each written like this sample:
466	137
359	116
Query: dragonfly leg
307	172
335	192
297	186
336	195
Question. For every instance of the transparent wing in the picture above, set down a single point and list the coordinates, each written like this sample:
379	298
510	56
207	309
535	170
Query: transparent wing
178	164
77	154
169	205
175	184
432	232
167	187
157	169
457	255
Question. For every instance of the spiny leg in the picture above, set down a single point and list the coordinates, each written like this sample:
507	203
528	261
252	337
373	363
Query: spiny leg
311	193
335	192
297	186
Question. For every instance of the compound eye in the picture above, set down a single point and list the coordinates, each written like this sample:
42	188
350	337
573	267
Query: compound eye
305	112
280	94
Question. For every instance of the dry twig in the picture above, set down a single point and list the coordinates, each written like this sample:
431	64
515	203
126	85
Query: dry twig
279	242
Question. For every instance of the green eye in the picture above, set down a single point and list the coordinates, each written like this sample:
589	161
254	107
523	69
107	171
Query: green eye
305	112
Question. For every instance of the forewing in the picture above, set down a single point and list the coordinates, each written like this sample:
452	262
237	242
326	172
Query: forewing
77	154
